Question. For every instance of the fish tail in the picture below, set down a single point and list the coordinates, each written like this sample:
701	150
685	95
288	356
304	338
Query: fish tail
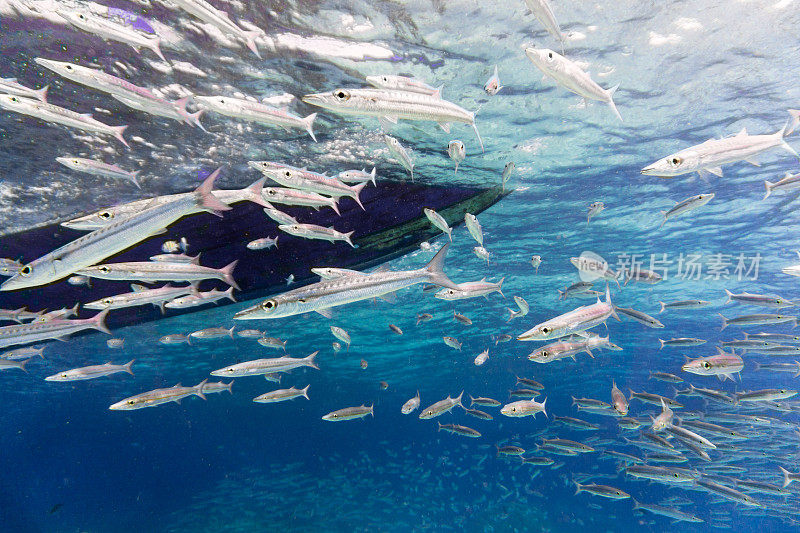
230	331
728	294
784	144
610	94
357	190
309	361
543	404
768	186
229	386
435	271
98	321
250	41
372	176
23	363
254	193
477	134
724	322
199	388
305	392
662	344
348	238
795	121
118	131
458	400
440	428
127	366
786	479
229	294
227	274
663	221
41	94
578	487
309	124
206	200
195	119
157	49
335	206
663	306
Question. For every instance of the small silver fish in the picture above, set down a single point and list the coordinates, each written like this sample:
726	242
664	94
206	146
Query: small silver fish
452	342
492	85
263	243
457	152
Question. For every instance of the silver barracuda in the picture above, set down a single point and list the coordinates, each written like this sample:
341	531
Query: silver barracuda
124	91
575	321
764	300
544	13
200	298
305	180
789	182
98	168
712	154
403	83
691	203
669	512
312	231
160	271
347	289
470	289
357	176
331	272
53	329
59	115
258	367
282	395
723	365
107	29
279	216
220	20
109	240
91	372
157	397
349	413
392	105
11	86
110	215
141	295
570	76
399	152
281	195
441	407
251	111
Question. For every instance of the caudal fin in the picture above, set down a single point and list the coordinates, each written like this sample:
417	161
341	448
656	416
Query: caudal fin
41	94
435	269
199	388
768	185
206	200
309	123
156	48
610	94
309	361
357	192
250	41
372	176
781	134
98	321
118	131
348	237
786	474
255	193
127	366
229	294
795	120
226	273
305	392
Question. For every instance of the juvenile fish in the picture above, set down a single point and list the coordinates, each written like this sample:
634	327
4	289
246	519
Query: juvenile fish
54	329
272	342
423	317
23	353
403	83
482	357
683	304
284	195
462	319
395	329
492	85
765	395
757	320
140	295
308	181
357	176
524	408
574	321
108	29
602	490
200	298
282	395
399	152
681	342
474	227
723	365
640	317
265	243
789	182
159	271
212	333
91	372
574	289
452	342
439	221
457	152
684	206
411	405
12	86
477	413
774	302
594	209
486	402
341	334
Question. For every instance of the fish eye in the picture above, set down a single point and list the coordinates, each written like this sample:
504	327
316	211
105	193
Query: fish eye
545	353
131	402
783	391
104	269
269	304
342	95
25	271
514	409
549	55
106	215
706	364
545	330
618	493
14	99
335	415
385	79
272	192
288	173
108	301
68	67
675	161
229	370
675	474
63	374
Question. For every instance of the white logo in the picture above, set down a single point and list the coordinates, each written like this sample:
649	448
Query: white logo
590	266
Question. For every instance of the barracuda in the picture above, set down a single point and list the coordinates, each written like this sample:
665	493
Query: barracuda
141	295
11	86
105	28
159	396
576	321
160	271
693	202
53	329
110	215
392	105
164	108
91	372
60	115
257	112
220	20
98	168
281	195
305	180
312	231
347	289
116	237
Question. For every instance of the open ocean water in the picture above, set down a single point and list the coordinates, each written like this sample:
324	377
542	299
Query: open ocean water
687	71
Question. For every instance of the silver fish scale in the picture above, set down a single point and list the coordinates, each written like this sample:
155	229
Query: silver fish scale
408	105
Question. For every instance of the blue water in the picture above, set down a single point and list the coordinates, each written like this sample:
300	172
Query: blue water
688	71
